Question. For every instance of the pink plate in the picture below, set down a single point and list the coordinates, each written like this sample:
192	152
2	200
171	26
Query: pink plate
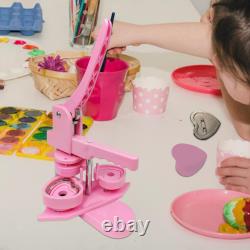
201	211
198	78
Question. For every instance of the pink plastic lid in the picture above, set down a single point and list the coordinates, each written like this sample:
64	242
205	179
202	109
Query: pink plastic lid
62	193
110	177
198	78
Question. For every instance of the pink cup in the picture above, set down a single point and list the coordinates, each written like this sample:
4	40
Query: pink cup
106	98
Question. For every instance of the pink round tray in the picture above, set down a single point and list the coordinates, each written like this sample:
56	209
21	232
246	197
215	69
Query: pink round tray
201	211
198	78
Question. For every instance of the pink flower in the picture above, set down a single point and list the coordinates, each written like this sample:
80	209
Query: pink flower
53	63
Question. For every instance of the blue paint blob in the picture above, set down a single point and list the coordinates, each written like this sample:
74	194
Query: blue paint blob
21	126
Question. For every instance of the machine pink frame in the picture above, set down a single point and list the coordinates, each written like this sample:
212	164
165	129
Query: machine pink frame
93	199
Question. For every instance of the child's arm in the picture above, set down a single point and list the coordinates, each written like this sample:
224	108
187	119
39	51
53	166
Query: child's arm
189	38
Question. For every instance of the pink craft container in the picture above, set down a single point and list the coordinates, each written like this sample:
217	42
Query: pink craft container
150	100
106	98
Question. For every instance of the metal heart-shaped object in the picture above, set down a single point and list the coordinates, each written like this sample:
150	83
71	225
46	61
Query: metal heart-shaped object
205	125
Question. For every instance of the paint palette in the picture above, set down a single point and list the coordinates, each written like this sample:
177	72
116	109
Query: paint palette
17	18
24	132
14	54
36	145
16	126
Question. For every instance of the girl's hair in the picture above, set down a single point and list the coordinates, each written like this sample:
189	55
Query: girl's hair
231	37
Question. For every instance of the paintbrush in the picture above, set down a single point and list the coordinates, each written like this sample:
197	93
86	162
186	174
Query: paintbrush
90	19
112	18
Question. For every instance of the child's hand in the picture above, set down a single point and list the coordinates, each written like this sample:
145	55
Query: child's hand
234	174
123	34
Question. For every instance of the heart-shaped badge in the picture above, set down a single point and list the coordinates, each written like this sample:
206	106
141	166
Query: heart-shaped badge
205	125
189	159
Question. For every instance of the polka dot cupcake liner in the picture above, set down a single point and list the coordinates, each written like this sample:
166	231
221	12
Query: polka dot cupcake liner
150	102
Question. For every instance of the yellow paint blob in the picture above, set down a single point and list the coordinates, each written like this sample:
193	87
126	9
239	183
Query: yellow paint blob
4	39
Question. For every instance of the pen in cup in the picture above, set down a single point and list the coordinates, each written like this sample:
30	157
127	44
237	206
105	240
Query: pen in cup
105	58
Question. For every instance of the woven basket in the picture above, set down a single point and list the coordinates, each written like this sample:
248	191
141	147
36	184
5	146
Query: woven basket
56	85
53	84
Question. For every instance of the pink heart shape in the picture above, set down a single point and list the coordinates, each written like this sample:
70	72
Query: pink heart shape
189	159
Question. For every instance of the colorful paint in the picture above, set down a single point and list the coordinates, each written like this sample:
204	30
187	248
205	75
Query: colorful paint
21	126
36	52
27	119
33	113
24	132
2	123
4	39
14	129
15	133
9	111
4	116
36	146
30	47
17	52
19	42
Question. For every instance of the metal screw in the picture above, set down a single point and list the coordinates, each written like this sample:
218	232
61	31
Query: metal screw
88	176
78	112
58	114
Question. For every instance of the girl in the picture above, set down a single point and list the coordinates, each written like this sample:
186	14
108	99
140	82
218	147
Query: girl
223	37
